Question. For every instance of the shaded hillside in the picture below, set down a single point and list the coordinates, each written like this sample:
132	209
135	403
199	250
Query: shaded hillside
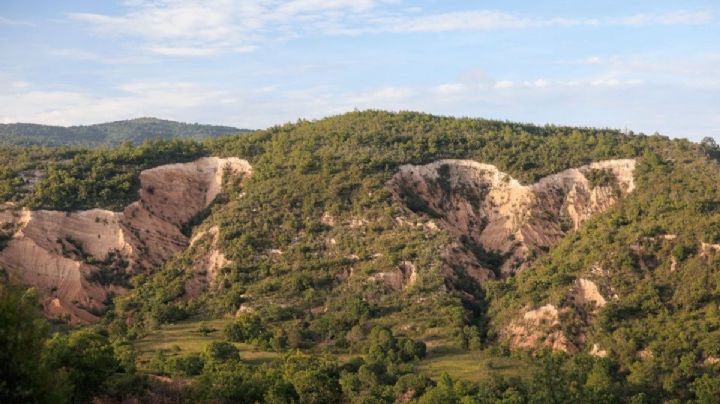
108	134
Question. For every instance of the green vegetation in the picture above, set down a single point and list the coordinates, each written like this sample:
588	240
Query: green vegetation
77	178
70	367
664	324
474	366
107	134
304	311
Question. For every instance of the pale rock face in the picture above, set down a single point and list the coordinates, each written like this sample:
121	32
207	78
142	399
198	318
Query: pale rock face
207	264
645	354
598	352
59	252
244	309
542	327
537	328
711	360
587	292
404	276
356	223
492	210
706	249
327	219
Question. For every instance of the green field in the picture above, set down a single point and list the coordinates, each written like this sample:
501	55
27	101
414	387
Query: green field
459	364
473	366
187	336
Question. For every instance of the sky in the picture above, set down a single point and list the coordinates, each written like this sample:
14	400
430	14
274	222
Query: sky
643	65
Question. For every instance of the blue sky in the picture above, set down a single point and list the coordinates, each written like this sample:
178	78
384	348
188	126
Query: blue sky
642	65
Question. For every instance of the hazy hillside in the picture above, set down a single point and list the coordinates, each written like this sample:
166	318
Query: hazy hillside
107	134
371	257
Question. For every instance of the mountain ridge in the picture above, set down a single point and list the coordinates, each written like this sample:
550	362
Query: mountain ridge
112	133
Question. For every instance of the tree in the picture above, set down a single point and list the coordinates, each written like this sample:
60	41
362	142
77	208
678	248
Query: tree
706	389
246	328
315	379
86	356
222	351
710	147
24	376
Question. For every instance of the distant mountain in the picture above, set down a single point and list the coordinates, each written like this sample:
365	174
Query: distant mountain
107	134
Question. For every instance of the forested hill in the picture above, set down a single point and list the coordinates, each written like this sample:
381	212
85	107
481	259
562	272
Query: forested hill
370	257
108	134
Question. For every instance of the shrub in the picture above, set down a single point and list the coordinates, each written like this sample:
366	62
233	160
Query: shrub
222	351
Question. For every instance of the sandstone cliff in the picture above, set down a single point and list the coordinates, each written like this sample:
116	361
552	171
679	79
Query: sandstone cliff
501	225
77	259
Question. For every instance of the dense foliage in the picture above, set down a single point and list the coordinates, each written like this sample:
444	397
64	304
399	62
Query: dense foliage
663	326
77	178
312	235
107	134
38	367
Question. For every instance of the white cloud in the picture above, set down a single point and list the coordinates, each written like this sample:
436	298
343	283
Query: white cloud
619	91
592	60
545	83
681	17
182	51
450	88
504	84
486	20
203	28
12	22
77	106
691	71
582	102
197	28
77	54
367	98
20	84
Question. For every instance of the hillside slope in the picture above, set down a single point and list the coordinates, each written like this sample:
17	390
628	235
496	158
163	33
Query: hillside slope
107	134
79	260
421	227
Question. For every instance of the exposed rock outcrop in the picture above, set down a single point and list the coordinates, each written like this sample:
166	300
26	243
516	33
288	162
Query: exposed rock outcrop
403	276
209	260
597	351
503	223
539	328
543	327
707	249
76	259
586	292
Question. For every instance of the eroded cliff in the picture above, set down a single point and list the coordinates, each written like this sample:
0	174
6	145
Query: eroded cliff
78	259
501	225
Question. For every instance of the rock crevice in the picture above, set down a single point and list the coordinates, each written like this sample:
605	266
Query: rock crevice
502	224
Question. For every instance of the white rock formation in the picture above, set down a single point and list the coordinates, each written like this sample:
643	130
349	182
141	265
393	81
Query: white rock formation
536	328
59	252
494	211
587	291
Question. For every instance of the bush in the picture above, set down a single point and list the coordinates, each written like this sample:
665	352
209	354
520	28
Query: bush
247	328
384	347
222	351
88	358
190	365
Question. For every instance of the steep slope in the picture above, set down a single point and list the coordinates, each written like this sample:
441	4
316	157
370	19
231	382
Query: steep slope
501	225
76	259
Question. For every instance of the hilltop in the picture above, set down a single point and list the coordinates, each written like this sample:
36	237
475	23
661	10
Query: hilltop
108	134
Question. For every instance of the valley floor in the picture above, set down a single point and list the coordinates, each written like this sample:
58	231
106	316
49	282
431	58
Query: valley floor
191	336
